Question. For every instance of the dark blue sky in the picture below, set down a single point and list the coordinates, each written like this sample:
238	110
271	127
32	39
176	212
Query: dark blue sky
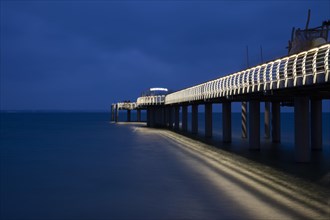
84	55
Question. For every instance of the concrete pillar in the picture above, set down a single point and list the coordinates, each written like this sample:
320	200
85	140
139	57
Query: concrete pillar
162	116
166	116
117	114
194	119
316	124
152	117
276	122
128	115
138	115
156	116
160	112
267	120
148	117
171	116
226	122
177	117
184	118
254	125
301	123
112	113
208	120
244	120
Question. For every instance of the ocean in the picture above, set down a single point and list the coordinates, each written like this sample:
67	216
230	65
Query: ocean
82	166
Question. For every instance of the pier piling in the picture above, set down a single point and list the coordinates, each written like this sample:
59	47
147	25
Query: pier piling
128	115
184	118
170	117
267	120
194	119
276	122
148	117
208	120
316	124
244	120
112	113
226	122
117	113
254	125
177	117
138	115
301	122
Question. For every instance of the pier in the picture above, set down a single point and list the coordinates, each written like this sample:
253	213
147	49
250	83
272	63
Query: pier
300	80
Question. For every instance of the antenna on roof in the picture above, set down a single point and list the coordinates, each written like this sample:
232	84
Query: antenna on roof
308	18
247	57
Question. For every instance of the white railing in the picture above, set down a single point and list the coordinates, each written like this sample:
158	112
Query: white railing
150	100
127	105
305	68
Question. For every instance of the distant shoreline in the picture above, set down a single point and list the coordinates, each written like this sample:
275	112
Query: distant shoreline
95	111
53	111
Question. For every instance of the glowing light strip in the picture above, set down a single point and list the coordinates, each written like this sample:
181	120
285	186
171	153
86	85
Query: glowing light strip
159	89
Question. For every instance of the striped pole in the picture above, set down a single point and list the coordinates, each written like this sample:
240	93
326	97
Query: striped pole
244	121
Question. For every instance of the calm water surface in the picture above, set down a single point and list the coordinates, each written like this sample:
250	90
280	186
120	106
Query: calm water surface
80	166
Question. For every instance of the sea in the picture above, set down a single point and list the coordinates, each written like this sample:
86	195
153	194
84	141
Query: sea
80	165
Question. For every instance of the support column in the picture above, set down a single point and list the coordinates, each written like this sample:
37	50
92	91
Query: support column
148	117
171	116
112	113
267	120
160	121
166	116
117	114
156	117
208	120
226	122
254	125
184	118
177	117
128	115
163	116
301	123
194	119
316	124
276	122
152	117
138	115
244	120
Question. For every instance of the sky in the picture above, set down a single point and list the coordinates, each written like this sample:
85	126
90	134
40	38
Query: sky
85	55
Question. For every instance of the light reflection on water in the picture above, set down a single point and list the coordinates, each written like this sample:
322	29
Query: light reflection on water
80	166
258	189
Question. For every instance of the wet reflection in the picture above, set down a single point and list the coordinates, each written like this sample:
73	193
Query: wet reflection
262	191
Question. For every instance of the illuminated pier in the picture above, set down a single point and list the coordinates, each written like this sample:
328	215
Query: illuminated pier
301	80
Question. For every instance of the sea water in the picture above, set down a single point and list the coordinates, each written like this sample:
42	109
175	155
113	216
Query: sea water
81	166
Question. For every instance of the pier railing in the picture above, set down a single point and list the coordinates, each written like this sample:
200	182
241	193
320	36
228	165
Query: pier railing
126	105
151	100
305	68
